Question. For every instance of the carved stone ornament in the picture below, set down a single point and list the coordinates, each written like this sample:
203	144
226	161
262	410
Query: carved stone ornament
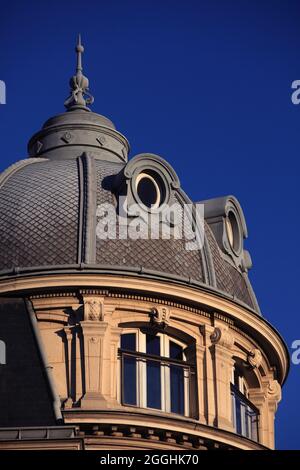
93	309
160	316
222	337
254	358
274	390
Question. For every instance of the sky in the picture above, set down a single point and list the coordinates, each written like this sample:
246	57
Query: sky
205	84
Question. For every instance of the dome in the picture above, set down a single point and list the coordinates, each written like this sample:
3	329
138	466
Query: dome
77	162
48	222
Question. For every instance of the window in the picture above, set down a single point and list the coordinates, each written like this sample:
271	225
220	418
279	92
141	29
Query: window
233	232
155	372
150	189
244	413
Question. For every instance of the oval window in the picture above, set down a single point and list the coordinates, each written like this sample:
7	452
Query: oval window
233	232
148	190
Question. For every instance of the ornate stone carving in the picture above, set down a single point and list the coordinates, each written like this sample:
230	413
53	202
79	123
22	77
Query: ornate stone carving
274	390
94	340
254	358
93	309
67	137
222	337
101	140
160	316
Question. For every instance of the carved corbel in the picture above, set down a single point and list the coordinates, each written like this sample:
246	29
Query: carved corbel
274	390
273	393
222	337
254	358
160	316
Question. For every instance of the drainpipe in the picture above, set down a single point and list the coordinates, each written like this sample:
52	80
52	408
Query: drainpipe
48	368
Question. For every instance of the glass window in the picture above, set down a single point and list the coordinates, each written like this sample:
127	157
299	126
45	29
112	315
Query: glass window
128	342
148	190
177	380
155	373
244	413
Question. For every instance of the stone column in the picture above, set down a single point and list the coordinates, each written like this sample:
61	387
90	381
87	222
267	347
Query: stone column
273	398
209	390
100	340
258	398
69	336
201	383
221	349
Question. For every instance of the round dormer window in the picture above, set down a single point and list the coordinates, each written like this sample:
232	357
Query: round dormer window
149	190
233	232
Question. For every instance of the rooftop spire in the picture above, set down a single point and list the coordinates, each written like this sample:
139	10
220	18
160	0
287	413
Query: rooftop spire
79	94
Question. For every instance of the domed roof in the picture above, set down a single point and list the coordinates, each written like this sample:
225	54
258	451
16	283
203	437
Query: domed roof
49	211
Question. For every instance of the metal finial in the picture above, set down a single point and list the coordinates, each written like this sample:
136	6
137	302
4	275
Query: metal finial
80	50
79	94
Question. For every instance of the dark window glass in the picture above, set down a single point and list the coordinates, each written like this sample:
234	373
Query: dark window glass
153	345
177	389
153	373
128	341
176	351
147	192
153	384
129	385
238	415
177	380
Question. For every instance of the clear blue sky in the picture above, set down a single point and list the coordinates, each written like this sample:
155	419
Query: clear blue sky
204	84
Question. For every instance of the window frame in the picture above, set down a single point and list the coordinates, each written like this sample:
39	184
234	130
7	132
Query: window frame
165	371
240	391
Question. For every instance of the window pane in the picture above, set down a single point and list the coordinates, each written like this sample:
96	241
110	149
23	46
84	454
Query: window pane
176	351
177	389
238	415
153	345
153	384
129	385
128	341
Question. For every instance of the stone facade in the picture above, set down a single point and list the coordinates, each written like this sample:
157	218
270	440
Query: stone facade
81	328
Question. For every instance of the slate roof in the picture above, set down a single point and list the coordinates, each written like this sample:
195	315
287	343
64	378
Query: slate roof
46	221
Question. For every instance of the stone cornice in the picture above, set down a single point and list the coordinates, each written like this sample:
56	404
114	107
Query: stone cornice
185	432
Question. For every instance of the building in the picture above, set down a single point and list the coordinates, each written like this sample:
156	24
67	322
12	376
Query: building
123	343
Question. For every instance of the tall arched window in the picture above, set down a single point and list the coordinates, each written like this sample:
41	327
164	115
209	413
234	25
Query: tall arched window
244	414
155	372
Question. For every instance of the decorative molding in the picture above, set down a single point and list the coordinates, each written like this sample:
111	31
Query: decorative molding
160	316
274	390
53	295
93	308
254	358
222	337
101	140
127	296
67	137
221	317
